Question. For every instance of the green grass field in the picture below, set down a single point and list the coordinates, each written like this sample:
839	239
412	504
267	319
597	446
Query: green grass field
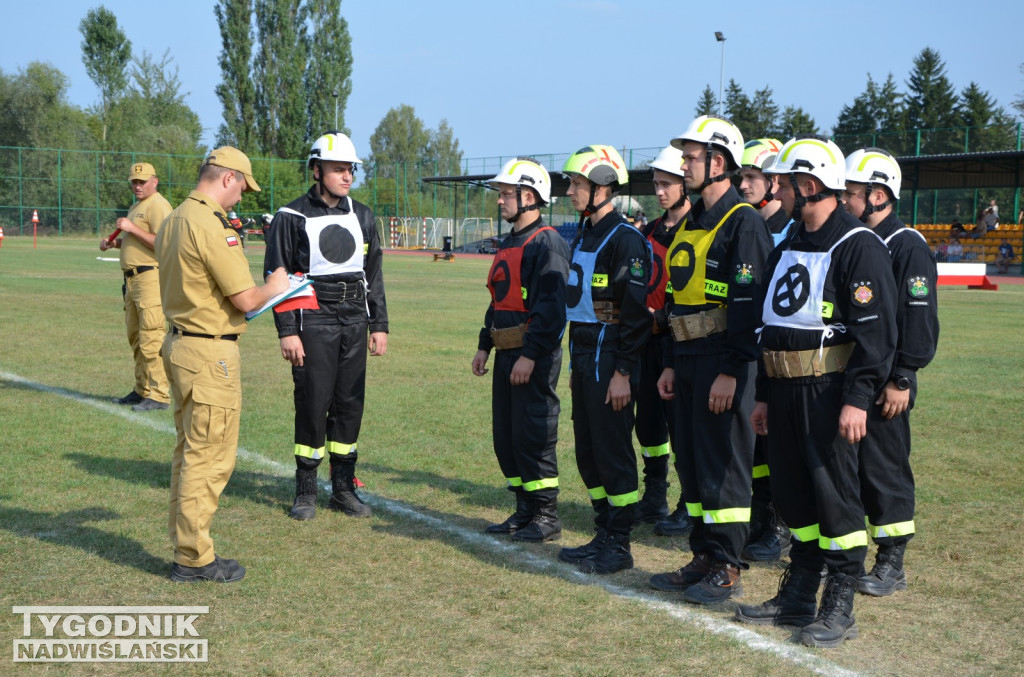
418	589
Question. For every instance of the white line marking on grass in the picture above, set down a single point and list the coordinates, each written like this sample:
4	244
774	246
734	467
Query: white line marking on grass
692	616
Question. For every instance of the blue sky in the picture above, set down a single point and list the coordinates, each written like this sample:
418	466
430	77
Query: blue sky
549	77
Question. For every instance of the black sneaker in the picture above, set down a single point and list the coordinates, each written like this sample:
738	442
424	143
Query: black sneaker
131	398
219	570
149	405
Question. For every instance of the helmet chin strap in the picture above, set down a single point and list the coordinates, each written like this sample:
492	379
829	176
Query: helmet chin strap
591	208
869	208
520	209
800	200
323	187
683	199
708	179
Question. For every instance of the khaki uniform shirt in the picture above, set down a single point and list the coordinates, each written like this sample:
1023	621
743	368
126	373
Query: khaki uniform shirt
202	263
148	215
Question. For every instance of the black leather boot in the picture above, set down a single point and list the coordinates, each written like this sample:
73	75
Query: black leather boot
887	576
795	604
654	504
304	507
545	525
577	555
835	622
343	492
517	520
613	556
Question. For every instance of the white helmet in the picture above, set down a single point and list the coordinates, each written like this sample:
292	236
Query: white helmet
874	166
232	215
333	146
670	160
814	155
527	172
717	132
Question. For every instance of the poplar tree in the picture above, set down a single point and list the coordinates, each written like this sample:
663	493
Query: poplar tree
237	92
106	51
329	75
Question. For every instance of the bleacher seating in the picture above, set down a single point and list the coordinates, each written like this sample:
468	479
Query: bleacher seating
983	249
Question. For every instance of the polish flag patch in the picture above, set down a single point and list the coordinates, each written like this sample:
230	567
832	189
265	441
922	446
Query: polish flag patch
232	240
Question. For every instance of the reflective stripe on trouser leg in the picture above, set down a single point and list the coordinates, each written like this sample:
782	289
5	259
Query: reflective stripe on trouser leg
814	472
886	478
604	440
207	391
524	420
330	386
716	454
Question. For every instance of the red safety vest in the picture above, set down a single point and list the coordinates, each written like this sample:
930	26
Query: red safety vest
505	279
659	275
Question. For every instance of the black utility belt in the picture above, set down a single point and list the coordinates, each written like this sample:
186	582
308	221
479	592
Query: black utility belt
335	292
132	272
192	334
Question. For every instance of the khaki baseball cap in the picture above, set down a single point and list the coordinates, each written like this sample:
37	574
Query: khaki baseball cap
232	158
142	171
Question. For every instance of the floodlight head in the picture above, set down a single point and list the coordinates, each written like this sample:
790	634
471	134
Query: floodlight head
719	36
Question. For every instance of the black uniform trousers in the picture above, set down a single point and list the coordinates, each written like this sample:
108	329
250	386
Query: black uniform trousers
525	420
814	475
715	456
654	416
330	387
604	442
886	479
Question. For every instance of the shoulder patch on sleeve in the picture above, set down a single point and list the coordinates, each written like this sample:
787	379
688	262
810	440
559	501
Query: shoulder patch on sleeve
744	274
917	286
232	240
862	293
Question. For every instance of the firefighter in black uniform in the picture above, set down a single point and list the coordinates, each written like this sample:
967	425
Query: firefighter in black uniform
609	324
654	420
525	322
715	266
331	238
873	180
828	342
769	537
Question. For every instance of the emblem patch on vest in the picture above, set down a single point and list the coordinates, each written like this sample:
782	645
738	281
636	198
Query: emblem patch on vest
917	287
862	293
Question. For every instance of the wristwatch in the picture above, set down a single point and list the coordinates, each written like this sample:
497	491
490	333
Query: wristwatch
624	371
903	383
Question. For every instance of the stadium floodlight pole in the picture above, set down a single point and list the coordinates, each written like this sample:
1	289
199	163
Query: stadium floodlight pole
335	95
719	36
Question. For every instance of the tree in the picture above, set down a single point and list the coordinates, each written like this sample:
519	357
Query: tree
932	102
153	115
399	137
236	92
987	125
329	75
707	104
105	53
35	113
737	107
279	69
443	149
764	115
796	121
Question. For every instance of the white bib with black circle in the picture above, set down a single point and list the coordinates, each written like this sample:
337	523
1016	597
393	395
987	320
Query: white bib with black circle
335	242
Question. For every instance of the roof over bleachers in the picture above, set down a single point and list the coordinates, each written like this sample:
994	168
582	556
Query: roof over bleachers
997	169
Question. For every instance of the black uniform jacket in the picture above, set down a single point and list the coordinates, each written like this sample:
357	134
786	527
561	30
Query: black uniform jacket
917	311
626	259
545	268
288	246
861	261
741	244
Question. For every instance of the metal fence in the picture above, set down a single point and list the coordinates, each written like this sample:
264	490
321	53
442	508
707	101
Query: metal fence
80	192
